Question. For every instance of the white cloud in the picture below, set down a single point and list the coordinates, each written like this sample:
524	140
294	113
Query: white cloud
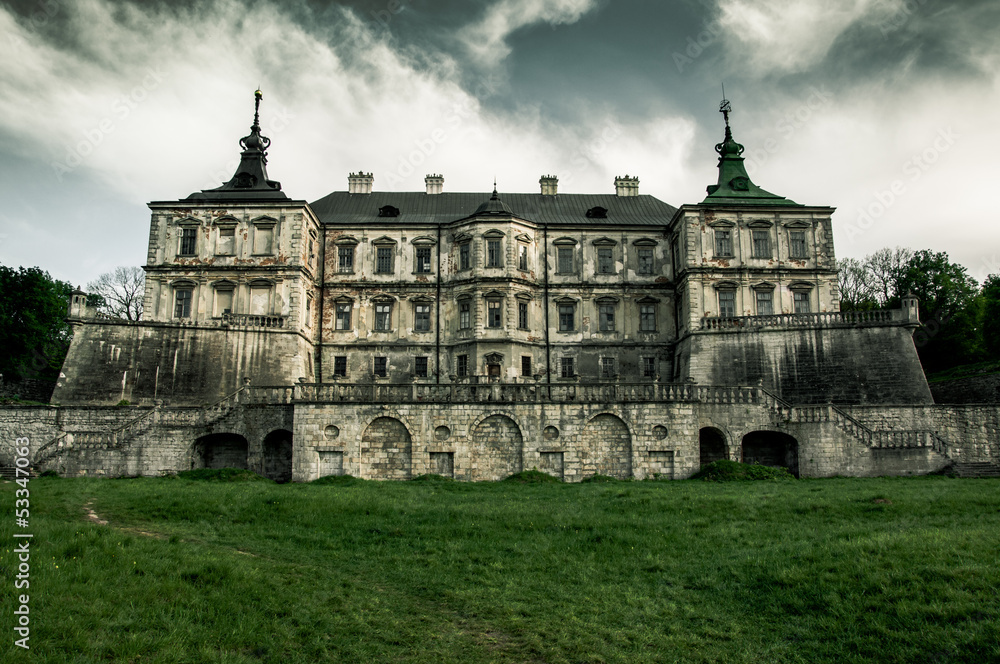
487	40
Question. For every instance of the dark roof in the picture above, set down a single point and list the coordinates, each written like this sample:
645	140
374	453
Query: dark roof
418	207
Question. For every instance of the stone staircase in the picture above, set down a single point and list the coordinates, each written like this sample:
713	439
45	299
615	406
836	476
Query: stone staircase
975	469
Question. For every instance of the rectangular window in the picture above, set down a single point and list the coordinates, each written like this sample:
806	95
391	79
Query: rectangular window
226	245
493	313
262	236
383	317
606	317
223	302
493	255
420	367
645	261
343	318
182	303
525	365
462	365
605	261
465	256
422	318
383	259
522	315
608	367
260	300
522	257
647	318
797	244
464	315
382	366
345	259
761	244
566	367
565	260
309	309
188	236
340	365
723	243
801	301
649	367
423	259
727	304
765	303
566	315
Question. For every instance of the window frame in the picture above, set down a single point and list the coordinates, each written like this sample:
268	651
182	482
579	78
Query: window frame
647	319
340	366
522	315
418	361
564	309
760	241
382	322
340	308
188	243
526	363
462	365
183	300
420	317
494	252
730	295
608	366
419	266
764	295
522	257
645	259
382	360
494	306
385	259
648	367
606	316
345	251
723	242
566	367
465	314
465	255
797	240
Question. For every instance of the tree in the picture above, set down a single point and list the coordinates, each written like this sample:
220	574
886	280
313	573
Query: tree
949	310
33	330
121	292
856	293
991	315
885	270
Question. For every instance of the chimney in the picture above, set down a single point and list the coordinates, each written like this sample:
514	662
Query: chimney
360	183
626	186
434	183
550	185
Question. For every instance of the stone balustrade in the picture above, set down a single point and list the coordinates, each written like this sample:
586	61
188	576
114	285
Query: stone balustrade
825	319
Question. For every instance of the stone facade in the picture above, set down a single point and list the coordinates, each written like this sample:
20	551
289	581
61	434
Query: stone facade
389	335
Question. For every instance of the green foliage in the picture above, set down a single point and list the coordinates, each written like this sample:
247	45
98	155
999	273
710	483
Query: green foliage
822	571
342	480
34	334
725	470
599	478
124	402
431	477
991	315
533	476
49	473
221	475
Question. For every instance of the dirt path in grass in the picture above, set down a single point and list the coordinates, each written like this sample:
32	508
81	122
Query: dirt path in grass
93	517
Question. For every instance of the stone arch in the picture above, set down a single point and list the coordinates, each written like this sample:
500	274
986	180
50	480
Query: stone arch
220	450
496	448
606	447
772	448
386	449
711	445
278	455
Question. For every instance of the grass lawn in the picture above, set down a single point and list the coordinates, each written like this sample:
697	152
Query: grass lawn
837	570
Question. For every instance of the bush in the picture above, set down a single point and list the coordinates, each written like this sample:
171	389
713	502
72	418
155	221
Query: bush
732	471
222	475
533	476
345	480
124	402
600	478
49	473
431	477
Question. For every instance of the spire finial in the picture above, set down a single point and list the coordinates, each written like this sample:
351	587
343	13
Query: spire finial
495	194
255	141
257	96
725	106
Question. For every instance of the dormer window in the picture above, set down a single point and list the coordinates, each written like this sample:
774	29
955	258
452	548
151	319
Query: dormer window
597	213
388	211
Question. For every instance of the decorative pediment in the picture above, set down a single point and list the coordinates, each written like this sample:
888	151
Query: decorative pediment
462	237
604	242
523	237
565	241
494	233
189	222
224	284
725	285
493	358
264	221
261	283
801	286
523	295
493	295
343	299
798	223
760	223
649	300
645	242
226	221
565	300
347	240
422	299
423	241
382	298
182	283
606	299
763	286
385	240
722	223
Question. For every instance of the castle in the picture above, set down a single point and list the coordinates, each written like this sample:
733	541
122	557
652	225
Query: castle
475	335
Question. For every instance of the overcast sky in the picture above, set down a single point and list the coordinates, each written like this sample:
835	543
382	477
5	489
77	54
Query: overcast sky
883	109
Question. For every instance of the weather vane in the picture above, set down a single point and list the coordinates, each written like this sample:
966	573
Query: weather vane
725	106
